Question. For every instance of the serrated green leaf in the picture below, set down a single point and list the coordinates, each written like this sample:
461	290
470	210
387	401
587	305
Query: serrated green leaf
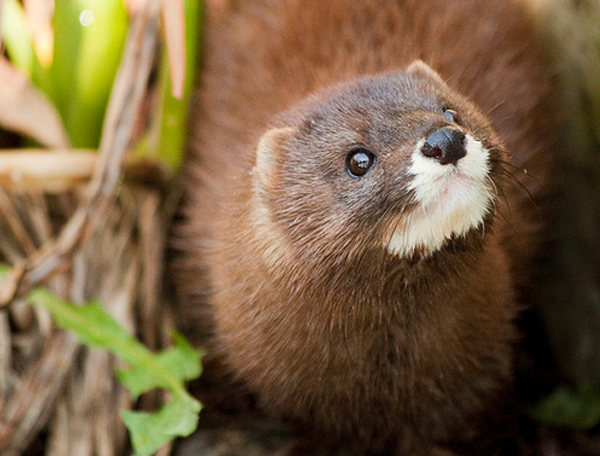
182	358
151	431
181	361
97	329
92	325
574	409
168	370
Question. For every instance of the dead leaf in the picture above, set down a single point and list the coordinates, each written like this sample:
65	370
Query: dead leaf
25	110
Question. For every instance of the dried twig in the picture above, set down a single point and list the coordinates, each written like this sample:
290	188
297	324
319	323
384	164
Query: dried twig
28	410
45	171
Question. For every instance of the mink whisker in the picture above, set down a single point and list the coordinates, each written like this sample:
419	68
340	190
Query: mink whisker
514	180
496	106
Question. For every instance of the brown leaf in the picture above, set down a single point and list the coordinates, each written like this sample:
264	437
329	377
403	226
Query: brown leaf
25	110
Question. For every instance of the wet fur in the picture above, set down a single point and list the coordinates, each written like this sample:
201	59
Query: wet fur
399	375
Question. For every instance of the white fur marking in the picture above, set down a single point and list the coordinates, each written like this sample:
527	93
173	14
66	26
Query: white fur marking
450	200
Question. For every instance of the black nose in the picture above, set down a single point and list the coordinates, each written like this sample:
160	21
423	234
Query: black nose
445	145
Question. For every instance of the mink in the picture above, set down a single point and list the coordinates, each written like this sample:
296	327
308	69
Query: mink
362	211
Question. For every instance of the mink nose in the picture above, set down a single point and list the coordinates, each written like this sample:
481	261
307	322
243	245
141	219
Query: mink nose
446	145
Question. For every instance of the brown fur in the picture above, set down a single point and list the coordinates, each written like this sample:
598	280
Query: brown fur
327	328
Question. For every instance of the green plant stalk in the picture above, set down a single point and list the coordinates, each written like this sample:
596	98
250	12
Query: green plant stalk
174	112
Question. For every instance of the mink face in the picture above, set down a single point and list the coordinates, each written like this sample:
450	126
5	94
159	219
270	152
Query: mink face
399	163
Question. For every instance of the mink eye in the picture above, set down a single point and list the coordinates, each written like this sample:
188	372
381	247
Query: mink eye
359	161
451	114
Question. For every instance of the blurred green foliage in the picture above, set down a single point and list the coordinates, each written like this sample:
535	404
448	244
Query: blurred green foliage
88	42
577	409
89	36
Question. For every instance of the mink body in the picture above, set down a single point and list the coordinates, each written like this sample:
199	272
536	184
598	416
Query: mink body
373	310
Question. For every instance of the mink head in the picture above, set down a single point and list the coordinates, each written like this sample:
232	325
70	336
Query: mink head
399	163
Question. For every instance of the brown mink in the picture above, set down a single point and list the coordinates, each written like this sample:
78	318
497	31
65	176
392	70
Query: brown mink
357	225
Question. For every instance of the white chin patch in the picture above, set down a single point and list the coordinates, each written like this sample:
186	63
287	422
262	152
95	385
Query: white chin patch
450	200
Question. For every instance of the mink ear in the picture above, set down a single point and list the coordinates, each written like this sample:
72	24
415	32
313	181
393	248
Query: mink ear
268	152
421	68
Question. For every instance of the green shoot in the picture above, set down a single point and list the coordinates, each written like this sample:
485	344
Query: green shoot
166	138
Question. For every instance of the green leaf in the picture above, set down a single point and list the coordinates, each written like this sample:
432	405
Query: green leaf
575	409
151	431
146	370
181	361
89	37
92	325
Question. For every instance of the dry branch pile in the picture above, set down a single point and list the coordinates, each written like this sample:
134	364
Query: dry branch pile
68	222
